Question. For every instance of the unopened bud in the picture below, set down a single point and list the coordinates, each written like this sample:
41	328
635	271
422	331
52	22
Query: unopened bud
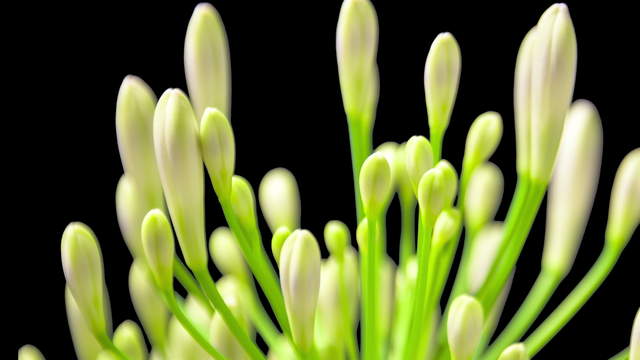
447	227
130	210
482	140
128	339
226	253
243	202
280	199
336	237
277	241
84	342
418	159
218	149
624	208
148	303
634	347
464	327
514	352
29	352
157	241
375	184
483	254
483	196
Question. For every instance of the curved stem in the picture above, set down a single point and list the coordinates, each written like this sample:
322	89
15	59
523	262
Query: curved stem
185	279
360	143
578	297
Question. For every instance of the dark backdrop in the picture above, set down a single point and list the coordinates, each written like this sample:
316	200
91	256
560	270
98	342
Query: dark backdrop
287	112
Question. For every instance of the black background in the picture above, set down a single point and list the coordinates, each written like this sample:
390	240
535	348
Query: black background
287	112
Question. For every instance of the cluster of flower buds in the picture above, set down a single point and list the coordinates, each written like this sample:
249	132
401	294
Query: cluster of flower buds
302	306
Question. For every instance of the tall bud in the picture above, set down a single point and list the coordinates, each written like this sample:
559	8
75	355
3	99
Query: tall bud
634	347
464	327
337	237
157	240
483	254
235	296
522	102
280	199
130	209
483	196
218	149
624	208
128	338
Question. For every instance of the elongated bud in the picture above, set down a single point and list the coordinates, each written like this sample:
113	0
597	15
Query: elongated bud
128	338
29	352
130	210
375	184
483	254
206	61
83	269
441	77
226	253
450	181
180	344
356	49
634	347
221	337
218	149
419	159
134	127
300	281
177	148
447	227
401	175
624	208
157	240
464	327
573	186
148	303
483	196
84	342
389	150
437	189
280	199
553	73
522	102
277	241
337	237
482	140
362	235
514	352
243	202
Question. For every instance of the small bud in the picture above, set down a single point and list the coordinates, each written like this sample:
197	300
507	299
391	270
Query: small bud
243	202
206	61
356	49
553	73
180	344
522	102
362	235
482	140
337	237
84	342
483	195
148	303
375	184
514	352
29	352
226	253
624	208
130	210
218	149
450	181
83	269
300	281
134	127
634	347
221	337
573	186
447	227
441	77
390	149
157	241
280	199
175	133
419	159
437	189
128	339
483	254
464	327
277	241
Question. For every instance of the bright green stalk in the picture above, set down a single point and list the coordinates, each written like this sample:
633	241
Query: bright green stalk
578	297
360	142
622	355
407	234
371	343
210	289
538	297
262	321
188	282
348	333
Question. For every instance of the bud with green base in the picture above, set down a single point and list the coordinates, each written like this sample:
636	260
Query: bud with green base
218	150
280	199
464	327
128	338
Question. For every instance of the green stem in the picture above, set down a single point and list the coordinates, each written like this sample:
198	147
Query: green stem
407	233
108	344
262	321
177	311
530	309
436	145
210	289
578	297
371	343
347	320
622	355
360	142
189	283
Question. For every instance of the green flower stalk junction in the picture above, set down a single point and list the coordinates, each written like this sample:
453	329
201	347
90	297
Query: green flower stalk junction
357	303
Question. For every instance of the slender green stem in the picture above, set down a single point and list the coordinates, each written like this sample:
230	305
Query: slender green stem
407	233
530	309
436	145
578	297
189	283
360	142
210	289
347	320
371	343
177	311
262	321
108	344
622	355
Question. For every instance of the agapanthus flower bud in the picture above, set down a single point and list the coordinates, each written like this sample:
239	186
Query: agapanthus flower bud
85	343
130	210
483	254
573	186
83	269
300	281
522	102
624	208
29	352
447	227
175	134
356	49
362	235
226	254
437	189
483	195
401	174
222	338
389	150
277	241
450	181
180	344
206	61
418	159
482	140
634	347
553	73
514	352
148	303
107	355
464	327
337	237
128	338
280	199
441	77
157	241
375	184
218	149
243	202
134	127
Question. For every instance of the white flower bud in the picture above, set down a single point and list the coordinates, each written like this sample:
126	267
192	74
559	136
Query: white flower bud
157	241
337	237
482	140
634	347
85	343
447	227
128	339
226	254
418	159
29	352
148	303
280	199
514	352
375	184
522	102
243	202
130	210
218	149
483	254
483	196
624	208
180	344
464	327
